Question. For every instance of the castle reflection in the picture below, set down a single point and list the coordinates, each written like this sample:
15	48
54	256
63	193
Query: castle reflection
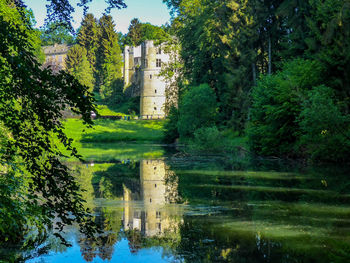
148	208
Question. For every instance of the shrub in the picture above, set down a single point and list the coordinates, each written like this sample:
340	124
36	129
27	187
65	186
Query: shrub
208	139
276	105
197	109
170	127
325	130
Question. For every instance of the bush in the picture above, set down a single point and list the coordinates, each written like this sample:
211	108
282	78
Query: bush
208	139
325	130
197	109
276	105
170	127
113	94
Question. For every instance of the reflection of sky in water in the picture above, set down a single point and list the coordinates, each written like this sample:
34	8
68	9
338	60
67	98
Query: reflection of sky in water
121	254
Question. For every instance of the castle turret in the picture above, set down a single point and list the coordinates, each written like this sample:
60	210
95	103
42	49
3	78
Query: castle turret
152	86
126	65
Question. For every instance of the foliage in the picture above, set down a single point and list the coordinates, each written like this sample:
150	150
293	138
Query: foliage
277	101
61	10
56	33
208	139
329	42
231	44
109	59
170	127
325	129
31	104
78	66
88	38
134	32
197	109
140	32
171	73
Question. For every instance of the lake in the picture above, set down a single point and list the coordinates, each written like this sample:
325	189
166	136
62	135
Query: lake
175	207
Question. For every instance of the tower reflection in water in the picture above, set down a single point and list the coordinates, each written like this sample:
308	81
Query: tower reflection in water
148	208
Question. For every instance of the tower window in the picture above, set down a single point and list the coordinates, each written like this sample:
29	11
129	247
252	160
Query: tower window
155	108
155	91
150	76
159	51
158	63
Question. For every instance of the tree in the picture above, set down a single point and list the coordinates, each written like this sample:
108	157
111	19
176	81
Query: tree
88	38
325	128
56	33
35	185
109	58
276	105
78	66
140	32
329	42
197	109
134	34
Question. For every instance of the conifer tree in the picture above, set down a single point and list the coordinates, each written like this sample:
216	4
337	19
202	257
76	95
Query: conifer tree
79	67
109	57
88	38
134	34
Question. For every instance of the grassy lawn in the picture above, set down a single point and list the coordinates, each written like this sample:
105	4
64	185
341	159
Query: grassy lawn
104	110
107	131
110	140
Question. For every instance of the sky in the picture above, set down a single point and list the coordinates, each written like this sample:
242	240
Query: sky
152	11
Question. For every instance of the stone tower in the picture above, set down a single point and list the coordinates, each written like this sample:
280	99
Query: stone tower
142	66
153	215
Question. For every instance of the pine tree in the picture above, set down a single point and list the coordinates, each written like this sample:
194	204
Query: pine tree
329	42
134	34
109	57
88	38
79	67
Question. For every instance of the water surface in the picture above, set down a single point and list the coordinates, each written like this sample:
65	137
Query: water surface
210	209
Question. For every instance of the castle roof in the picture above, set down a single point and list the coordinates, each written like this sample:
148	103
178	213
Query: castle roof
56	49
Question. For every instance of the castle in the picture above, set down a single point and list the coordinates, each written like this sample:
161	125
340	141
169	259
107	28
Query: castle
55	56
148	205
142	66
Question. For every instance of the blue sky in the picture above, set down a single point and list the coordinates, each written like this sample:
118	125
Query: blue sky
152	11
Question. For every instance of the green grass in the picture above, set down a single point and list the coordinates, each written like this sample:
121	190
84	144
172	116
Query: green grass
110	140
104	110
111	131
101	152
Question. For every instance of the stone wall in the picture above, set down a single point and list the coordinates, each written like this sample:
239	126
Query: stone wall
141	69
55	56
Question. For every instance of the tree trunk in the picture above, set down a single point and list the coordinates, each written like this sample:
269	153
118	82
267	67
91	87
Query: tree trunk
254	73
270	57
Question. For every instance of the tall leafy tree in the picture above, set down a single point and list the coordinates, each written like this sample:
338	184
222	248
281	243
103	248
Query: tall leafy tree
139	32
56	33
36	186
